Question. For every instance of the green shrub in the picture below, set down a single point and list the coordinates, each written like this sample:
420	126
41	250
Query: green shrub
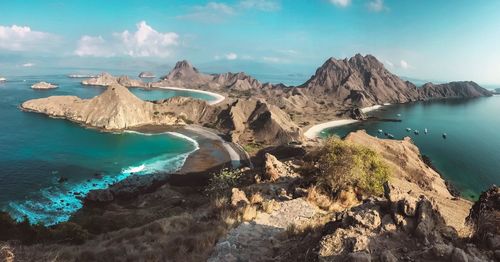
223	181
342	165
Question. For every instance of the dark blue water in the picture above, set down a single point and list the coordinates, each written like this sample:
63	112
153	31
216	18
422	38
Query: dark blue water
470	155
36	151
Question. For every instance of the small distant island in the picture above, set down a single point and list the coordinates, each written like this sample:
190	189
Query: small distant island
43	86
146	75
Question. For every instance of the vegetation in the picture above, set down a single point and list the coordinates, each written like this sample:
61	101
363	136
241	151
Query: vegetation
343	165
223	181
252	148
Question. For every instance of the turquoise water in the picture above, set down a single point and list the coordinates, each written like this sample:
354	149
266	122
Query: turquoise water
36	151
470	155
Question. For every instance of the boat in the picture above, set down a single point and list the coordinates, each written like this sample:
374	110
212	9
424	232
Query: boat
408	129
380	131
416	132
399	115
391	136
445	135
3	79
425	130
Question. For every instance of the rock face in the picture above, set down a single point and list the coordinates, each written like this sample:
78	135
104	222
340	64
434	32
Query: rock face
116	108
453	90
146	75
359	81
43	85
484	216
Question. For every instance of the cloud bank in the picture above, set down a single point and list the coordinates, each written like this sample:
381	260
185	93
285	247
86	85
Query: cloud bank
22	38
144	42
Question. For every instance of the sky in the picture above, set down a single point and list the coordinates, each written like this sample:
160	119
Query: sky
424	39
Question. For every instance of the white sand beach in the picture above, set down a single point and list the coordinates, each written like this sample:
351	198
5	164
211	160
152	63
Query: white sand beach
314	131
219	98
370	108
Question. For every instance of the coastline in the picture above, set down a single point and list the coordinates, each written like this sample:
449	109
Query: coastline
219	97
314	131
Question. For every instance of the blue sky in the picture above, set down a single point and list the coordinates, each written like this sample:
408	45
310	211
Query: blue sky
434	40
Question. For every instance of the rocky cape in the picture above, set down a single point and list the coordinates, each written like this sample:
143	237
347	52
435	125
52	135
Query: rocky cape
118	109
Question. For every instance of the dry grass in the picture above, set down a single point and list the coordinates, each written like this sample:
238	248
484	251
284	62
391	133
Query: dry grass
248	213
343	200
256	198
317	197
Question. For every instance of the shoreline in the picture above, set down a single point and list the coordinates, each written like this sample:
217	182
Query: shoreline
218	97
314	131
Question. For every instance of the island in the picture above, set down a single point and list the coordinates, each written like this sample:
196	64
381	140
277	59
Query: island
43	86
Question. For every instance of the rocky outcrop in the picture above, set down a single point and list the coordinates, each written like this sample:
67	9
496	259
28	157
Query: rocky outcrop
484	216
359	81
466	89
146	75
43	85
237	81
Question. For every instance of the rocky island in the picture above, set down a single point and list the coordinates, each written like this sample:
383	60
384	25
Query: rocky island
43	85
360	198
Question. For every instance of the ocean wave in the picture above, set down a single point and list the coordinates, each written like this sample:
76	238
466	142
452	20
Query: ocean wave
57	203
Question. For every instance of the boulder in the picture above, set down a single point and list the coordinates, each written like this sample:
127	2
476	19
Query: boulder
459	255
273	168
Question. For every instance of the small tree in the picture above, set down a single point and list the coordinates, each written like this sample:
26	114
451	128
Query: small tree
342	165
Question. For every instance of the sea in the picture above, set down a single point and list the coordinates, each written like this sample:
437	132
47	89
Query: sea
469	154
47	165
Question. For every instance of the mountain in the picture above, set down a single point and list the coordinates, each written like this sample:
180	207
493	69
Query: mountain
106	79
359	81
363	81
465	89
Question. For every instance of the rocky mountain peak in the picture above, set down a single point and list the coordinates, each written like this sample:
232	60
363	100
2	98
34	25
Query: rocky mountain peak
182	69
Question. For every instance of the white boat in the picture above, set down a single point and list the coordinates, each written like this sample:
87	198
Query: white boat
399	115
425	130
408	129
3	79
380	131
391	136
445	135
416	132
80	76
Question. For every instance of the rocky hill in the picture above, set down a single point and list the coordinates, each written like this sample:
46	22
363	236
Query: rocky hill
359	81
106	79
466	89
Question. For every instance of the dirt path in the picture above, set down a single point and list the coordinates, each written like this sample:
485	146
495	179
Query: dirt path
257	240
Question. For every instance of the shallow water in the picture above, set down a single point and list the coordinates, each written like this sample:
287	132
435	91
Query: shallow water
36	151
470	155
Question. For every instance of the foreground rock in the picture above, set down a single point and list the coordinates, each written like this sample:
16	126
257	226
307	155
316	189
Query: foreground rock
43	85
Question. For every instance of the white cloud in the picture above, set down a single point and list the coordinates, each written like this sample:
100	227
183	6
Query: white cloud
262	5
231	56
376	5
28	65
22	38
341	3
144	42
211	12
404	64
274	59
